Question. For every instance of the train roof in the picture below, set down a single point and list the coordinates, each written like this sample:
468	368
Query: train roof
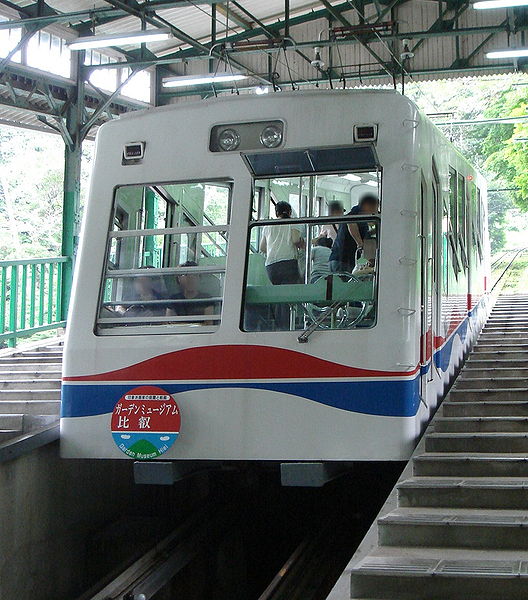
271	97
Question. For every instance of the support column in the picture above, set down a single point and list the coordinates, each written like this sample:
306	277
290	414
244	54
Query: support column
72	181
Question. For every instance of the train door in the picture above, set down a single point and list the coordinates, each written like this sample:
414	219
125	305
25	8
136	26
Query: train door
436	266
427	285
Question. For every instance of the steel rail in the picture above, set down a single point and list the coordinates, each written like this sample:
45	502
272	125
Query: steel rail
142	579
507	268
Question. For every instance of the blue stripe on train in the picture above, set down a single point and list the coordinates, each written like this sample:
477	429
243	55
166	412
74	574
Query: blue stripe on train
385	398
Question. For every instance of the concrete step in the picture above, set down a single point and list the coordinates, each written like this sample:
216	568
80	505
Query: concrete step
403	573
505	331
496	355
31	374
511	324
7	434
480	424
505	337
492	529
489	347
478	465
11	421
487	408
465	381
46	394
23	366
32	384
31	407
31	360
500	493
520	334
477	362
494	372
497	394
500	442
503	312
45	352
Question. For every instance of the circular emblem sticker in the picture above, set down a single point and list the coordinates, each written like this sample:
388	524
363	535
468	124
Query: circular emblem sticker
145	422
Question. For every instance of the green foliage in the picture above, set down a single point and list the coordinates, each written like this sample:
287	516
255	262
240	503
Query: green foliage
490	147
31	188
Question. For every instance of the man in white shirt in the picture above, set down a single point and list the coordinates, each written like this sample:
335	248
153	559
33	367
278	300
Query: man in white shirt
281	245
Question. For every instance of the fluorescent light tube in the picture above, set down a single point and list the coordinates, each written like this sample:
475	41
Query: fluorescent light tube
352	177
510	53
119	39
183	80
500	4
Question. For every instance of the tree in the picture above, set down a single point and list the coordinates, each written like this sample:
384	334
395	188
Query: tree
31	192
492	148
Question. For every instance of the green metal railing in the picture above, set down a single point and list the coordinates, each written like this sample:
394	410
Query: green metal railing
32	297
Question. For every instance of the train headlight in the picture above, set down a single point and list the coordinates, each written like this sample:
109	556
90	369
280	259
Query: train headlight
228	139
271	136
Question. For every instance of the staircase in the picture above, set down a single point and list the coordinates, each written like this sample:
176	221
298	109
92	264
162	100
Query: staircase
456	526
30	382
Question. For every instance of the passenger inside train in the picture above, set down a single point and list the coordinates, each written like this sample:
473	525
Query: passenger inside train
168	244
336	299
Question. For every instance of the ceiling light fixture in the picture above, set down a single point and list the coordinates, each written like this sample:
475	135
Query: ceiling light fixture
119	39
182	81
500	4
509	53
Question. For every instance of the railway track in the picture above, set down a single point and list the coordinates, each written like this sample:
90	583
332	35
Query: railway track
500	267
147	575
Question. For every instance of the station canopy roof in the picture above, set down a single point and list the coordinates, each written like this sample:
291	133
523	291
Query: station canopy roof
269	45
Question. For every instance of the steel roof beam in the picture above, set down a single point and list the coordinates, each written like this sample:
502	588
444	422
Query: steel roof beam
233	17
492	30
23	83
351	77
153	19
101	14
45	20
346	23
441	23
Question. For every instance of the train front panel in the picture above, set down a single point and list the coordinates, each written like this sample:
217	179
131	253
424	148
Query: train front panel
205	325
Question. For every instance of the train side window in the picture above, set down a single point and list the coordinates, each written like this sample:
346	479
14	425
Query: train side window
451	217
453	199
476	231
295	277
480	223
166	259
461	219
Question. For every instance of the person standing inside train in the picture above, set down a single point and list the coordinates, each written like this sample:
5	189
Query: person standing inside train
329	230
281	245
351	236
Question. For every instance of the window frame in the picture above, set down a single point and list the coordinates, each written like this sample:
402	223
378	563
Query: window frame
227	182
315	221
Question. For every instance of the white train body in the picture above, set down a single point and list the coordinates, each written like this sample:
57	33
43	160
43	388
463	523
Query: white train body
223	389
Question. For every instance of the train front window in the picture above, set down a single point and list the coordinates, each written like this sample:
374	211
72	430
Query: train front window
166	259
313	252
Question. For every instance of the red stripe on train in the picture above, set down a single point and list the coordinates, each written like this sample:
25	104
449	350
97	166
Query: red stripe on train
237	362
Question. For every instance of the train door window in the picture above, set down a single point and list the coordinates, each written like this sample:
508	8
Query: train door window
452	222
461	219
480	224
446	253
294	277
168	273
